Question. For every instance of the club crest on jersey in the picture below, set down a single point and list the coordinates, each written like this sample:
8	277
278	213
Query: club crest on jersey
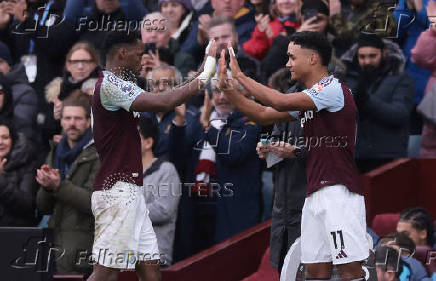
306	116
126	88
326	81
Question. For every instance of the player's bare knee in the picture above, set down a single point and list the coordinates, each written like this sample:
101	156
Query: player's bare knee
350	271
148	270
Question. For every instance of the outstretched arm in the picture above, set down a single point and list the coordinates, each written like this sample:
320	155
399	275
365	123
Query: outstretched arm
167	100
260	114
270	97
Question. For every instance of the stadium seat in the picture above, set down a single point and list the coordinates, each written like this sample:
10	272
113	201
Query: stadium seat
265	270
383	224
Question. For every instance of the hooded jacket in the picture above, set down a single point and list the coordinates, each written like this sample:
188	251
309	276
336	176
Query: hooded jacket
383	126
18	186
25	103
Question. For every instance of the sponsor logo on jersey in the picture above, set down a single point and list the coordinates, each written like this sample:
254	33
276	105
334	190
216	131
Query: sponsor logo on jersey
326	81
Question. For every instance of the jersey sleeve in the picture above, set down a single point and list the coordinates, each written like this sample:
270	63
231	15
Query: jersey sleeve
327	94
116	93
295	114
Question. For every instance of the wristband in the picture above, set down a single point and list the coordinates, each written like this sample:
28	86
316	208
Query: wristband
208	47
209	70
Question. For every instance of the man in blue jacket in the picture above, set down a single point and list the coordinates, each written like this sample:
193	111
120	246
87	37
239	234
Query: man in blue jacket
179	130
231	162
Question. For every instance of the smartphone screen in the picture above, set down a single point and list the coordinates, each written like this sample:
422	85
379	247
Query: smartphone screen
310	13
150	47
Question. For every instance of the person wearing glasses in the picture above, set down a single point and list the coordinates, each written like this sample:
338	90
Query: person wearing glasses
82	63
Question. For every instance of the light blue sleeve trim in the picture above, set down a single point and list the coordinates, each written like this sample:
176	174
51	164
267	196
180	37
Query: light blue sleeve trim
329	96
116	93
295	114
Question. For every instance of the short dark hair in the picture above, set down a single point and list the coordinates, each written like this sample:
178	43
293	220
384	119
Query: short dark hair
316	41
420	219
221	20
389	260
78	98
148	128
116	38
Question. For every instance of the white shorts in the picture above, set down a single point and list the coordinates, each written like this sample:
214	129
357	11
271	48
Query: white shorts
333	227
124	234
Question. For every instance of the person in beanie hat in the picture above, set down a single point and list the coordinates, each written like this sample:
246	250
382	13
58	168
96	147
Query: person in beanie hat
370	40
383	93
180	15
5	54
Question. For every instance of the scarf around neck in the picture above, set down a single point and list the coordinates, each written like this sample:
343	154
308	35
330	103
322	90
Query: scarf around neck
65	156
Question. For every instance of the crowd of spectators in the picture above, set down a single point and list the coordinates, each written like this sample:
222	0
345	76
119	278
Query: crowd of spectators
203	153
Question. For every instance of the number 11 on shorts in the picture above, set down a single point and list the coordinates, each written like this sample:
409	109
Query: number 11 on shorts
341	237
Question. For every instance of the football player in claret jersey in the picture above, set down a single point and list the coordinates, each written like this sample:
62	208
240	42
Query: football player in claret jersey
124	237
333	227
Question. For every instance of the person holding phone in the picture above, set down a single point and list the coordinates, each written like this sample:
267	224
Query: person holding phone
284	17
314	16
161	48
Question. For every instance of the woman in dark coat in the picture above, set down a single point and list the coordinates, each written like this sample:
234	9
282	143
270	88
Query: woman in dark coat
17	178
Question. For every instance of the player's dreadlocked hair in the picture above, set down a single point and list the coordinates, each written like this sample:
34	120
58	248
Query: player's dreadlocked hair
316	41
